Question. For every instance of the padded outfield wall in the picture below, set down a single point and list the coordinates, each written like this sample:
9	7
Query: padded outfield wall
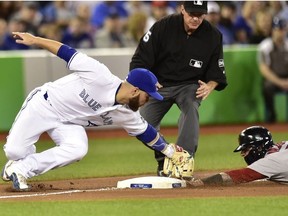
240	102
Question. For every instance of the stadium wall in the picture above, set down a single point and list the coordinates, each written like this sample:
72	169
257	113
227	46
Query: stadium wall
240	102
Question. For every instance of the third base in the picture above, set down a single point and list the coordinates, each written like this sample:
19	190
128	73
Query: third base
154	182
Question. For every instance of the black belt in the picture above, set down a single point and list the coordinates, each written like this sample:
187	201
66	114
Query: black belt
45	96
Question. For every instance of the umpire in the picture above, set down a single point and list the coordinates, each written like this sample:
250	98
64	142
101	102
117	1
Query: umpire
185	52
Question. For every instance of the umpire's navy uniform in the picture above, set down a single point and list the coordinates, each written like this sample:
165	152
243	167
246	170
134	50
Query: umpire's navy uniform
179	60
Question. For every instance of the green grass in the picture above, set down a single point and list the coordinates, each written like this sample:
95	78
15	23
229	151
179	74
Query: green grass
248	206
127	156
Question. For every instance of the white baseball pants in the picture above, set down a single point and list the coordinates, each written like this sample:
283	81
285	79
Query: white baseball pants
36	117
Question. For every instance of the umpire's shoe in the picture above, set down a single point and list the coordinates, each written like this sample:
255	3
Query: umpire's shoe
9	173
160	157
160	169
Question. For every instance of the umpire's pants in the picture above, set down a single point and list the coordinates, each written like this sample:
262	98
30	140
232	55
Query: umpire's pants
184	96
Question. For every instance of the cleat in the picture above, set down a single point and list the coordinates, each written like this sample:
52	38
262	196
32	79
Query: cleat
161	173
4	175
19	182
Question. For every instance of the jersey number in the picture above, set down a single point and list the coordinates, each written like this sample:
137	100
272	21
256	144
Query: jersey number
147	36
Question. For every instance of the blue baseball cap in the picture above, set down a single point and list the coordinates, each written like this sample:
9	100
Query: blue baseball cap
145	80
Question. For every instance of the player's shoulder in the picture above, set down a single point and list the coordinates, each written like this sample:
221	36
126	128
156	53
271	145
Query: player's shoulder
284	145
266	44
266	41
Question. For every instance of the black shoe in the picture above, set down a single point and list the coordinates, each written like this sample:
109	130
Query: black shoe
160	157
160	169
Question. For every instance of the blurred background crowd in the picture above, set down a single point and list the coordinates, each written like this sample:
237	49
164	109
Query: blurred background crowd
114	24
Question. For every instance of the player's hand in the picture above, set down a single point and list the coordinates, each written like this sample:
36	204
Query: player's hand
179	155
24	38
194	182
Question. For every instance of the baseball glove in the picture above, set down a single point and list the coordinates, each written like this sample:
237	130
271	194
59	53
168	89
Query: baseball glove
181	165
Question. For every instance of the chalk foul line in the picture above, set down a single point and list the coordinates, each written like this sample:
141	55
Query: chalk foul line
57	193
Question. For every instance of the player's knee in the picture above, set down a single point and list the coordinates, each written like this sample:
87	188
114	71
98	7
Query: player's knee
16	153
10	153
80	151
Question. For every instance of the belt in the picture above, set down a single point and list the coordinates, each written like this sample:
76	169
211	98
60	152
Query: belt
45	96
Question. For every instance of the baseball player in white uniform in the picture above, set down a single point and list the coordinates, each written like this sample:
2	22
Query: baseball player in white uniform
265	160
90	96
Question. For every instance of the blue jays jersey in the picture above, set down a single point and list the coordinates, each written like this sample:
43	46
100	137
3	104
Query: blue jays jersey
87	97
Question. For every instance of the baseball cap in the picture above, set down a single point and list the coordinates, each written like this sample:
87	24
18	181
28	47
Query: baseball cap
145	80
213	7
278	23
195	6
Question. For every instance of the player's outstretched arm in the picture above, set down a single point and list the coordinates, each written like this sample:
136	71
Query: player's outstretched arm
232	177
29	39
214	180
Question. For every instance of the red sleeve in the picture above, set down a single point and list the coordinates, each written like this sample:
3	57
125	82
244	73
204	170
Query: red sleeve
244	175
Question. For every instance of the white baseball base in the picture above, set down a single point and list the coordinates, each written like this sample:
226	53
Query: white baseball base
154	182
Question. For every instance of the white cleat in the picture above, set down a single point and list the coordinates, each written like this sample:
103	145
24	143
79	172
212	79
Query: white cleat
19	182
4	175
